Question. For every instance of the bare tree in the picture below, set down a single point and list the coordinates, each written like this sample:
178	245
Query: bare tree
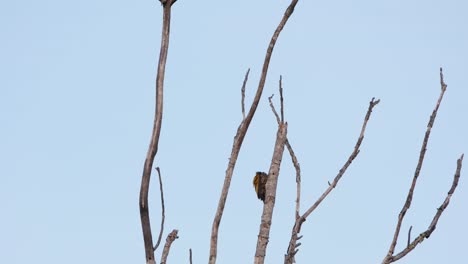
274	170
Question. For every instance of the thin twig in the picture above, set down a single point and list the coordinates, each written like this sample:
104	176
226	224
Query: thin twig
432	226
243	93
281	98
422	153
190	255
170	238
241	132
409	236
292	247
153	146
278	119
163	209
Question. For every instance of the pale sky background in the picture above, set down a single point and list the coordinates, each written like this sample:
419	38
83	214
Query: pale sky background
77	106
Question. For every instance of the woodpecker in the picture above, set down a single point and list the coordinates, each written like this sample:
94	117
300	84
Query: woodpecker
259	183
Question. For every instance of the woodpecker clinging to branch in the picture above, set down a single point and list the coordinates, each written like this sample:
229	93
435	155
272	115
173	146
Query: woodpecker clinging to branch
259	182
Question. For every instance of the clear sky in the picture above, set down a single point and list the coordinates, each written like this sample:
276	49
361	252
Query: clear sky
77	106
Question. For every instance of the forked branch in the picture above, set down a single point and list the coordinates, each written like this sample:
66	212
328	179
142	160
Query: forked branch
432	226
271	184
289	147
389	258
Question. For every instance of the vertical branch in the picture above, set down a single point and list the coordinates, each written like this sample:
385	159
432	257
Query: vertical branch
272	182
271	185
409	236
153	146
190	256
422	154
293	242
241	131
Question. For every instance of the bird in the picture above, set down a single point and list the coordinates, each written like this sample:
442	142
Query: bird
259	182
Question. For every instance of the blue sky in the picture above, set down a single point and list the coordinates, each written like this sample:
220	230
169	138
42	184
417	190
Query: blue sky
77	102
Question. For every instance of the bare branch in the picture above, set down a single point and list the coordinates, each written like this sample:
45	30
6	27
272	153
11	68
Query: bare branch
298	178
432	226
243	93
163	216
271	186
292	247
153	146
422	153
170	238
241	131
353	155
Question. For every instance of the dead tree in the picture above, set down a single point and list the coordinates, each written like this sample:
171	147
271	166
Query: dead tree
274	171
